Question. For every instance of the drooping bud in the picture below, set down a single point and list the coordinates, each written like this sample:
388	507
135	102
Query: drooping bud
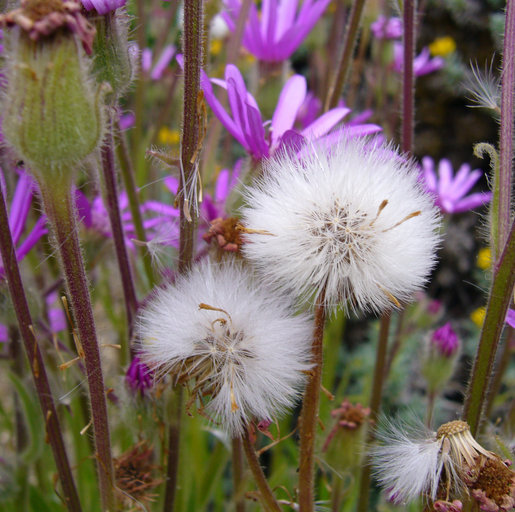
52	114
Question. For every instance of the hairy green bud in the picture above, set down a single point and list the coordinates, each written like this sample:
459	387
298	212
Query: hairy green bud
52	113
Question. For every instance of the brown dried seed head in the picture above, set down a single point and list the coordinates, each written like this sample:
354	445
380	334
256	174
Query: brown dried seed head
495	483
452	428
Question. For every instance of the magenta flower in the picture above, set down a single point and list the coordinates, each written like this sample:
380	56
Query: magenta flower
510	318
246	124
387	28
18	214
156	72
450	191
423	64
139	377
279	29
103	6
445	340
158	219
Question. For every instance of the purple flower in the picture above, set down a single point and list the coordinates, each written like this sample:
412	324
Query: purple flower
18	214
510	318
103	6
164	59
279	29
246	124
445	340
450	191
422	64
387	28
139	377
160	220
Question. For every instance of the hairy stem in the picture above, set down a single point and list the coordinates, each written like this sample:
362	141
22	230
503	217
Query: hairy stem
267	497
375	404
60	210
349	43
237	474
113	209
498	303
506	130
309	415
36	363
193	14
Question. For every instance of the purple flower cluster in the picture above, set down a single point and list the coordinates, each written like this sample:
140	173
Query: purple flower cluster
246	124
450	192
139	377
103	6
445	340
279	29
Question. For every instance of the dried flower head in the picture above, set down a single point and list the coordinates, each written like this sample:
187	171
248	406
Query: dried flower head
232	341
349	223
134	474
441	466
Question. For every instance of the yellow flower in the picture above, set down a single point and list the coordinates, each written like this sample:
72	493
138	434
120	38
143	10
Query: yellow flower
215	47
168	137
484	258
442	46
478	316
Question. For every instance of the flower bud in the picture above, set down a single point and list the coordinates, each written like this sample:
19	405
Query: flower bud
52	114
438	362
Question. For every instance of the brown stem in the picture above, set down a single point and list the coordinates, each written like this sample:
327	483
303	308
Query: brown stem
237	474
309	415
268	499
375	403
36	363
113	209
60	210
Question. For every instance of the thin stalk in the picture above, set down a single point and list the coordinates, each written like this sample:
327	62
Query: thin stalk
129	184
237	474
498	303
268	499
375	404
113	209
309	415
506	130
139	94
408	77
36	363
235	41
503	365
60	210
349	42
192	44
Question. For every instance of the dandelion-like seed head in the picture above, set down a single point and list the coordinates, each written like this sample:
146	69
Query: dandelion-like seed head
443	466
237	346
349	223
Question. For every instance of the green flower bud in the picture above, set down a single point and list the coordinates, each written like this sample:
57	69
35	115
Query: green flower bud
52	114
112	60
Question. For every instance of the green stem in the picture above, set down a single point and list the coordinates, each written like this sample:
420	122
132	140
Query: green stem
36	363
129	183
498	303
268	499
349	43
60	209
309	415
237	474
375	404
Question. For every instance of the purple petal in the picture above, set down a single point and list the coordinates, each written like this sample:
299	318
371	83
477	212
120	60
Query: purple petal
444	176
146	59
37	232
268	19
222	186
290	100
285	16
162	63
472	201
324	123
83	208
463	182
20	205
510	318
291	142
3	333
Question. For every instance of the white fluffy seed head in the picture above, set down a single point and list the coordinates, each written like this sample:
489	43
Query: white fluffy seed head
407	463
349	223
235	343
